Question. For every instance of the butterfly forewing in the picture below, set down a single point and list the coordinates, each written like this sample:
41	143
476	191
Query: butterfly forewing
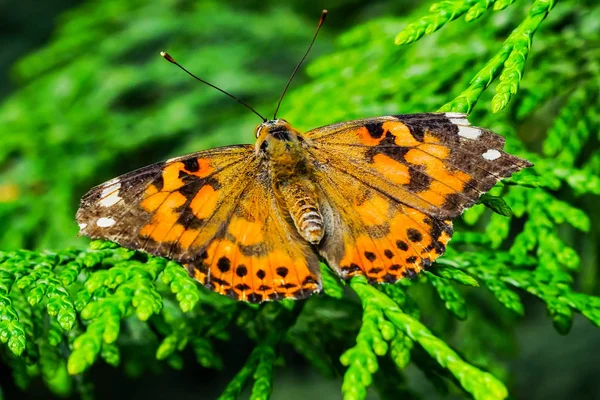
170	208
435	163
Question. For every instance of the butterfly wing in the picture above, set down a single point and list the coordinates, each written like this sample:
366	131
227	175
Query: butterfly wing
212	211
259	255
434	162
405	178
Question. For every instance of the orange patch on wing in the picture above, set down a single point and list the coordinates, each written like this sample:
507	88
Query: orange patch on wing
391	169
171	179
365	137
150	190
205	202
429	138
246	232
205	169
154	201
187	238
174	233
373	210
164	218
455	180
432	195
402	133
435	150
418	157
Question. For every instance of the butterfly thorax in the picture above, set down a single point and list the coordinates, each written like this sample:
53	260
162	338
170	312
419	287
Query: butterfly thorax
282	148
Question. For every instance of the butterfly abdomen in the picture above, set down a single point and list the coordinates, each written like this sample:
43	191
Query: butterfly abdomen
300	198
310	221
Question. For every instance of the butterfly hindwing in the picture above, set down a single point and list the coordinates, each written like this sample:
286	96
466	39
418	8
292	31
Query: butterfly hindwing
258	255
376	236
404	179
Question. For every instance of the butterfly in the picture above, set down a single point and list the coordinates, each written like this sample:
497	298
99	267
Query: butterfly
373	197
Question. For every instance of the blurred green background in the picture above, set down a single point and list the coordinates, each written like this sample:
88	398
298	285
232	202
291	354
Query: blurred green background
85	97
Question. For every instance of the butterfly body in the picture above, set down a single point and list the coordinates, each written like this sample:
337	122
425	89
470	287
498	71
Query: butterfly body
371	197
291	171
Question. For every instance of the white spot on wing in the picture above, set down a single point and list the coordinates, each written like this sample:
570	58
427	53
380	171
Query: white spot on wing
110	195
460	121
105	222
82	225
468	132
455	115
458	118
491	155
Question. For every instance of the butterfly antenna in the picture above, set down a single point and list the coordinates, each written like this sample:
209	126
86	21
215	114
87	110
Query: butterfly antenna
321	20
170	59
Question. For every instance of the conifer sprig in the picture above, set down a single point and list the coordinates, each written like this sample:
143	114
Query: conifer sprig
508	64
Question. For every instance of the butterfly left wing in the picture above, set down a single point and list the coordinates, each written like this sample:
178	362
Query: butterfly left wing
214	211
404	179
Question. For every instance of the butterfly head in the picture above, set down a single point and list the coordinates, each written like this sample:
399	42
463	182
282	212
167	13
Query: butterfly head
275	133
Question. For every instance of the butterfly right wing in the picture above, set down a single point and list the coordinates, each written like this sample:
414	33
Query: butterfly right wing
393	185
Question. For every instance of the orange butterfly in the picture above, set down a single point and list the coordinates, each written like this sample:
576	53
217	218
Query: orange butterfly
373	197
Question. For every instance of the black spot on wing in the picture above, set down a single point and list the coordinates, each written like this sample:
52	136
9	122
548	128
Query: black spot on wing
191	164
282	271
223	264
402	245
375	129
419	180
255	298
414	235
370	256
241	270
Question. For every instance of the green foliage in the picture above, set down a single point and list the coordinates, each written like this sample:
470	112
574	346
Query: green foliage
116	107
